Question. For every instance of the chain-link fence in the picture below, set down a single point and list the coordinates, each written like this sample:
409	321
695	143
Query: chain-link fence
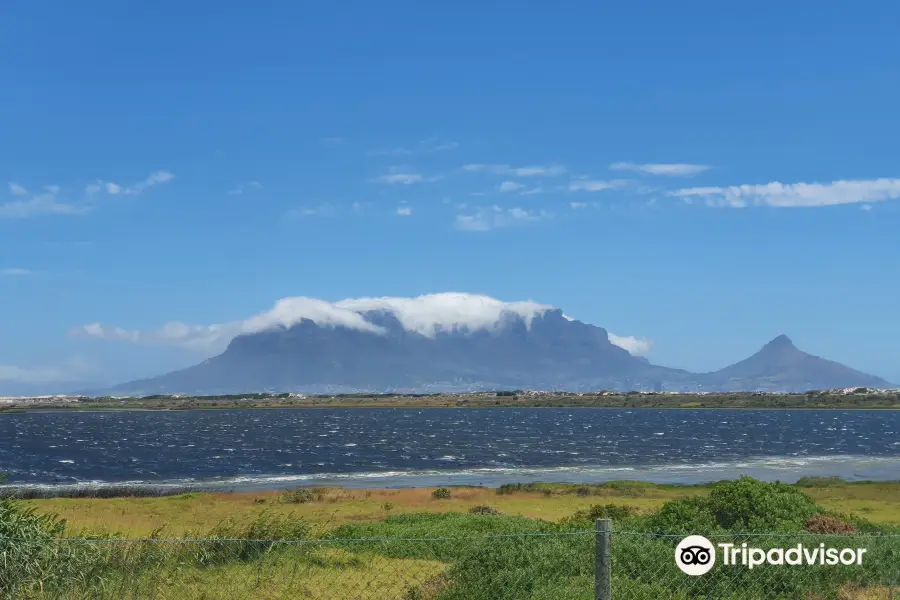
584	565
745	566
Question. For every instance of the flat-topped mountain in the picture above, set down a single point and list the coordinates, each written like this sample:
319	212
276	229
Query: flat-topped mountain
546	351
461	342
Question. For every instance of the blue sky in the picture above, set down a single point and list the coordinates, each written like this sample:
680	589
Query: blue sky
696	175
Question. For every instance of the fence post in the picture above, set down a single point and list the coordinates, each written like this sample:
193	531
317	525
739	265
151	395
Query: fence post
602	567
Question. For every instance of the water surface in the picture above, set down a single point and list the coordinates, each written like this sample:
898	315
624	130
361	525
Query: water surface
386	447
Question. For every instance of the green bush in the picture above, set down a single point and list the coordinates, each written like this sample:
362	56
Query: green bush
298	496
751	505
441	494
484	510
742	505
616	512
820	482
685	515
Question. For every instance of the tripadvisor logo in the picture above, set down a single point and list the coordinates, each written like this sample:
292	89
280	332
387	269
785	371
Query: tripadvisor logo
696	555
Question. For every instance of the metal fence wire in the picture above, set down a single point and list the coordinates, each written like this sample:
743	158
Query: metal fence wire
599	564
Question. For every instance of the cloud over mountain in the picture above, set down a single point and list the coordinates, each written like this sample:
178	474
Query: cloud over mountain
426	315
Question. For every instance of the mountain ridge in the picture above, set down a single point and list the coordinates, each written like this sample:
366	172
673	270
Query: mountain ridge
540	350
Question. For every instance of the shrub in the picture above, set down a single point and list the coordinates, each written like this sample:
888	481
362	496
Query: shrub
742	505
828	524
388	506
820	482
297	496
752	505
685	515
441	494
582	491
484	510
616	512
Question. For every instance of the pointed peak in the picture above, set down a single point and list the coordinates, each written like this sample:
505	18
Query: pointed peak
782	341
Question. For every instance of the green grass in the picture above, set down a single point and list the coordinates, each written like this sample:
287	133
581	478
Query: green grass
434	549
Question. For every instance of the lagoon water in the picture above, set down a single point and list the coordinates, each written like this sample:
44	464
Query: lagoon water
252	449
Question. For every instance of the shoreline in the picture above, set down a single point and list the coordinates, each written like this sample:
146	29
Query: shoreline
787	469
816	400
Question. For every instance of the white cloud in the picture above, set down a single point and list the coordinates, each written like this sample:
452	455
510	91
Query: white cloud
17	190
16	272
495	217
427	146
532	171
399	178
404	211
634	345
594	185
38	205
669	169
866	207
114	189
193	337
577	205
426	315
245	187
323	210
784	195
510	186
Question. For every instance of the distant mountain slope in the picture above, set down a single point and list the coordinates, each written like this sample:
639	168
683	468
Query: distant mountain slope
547	351
459	342
779	365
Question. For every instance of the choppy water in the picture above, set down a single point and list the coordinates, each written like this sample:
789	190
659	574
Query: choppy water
385	447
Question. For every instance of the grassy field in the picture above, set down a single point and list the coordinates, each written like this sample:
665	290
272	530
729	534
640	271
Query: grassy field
137	517
407	544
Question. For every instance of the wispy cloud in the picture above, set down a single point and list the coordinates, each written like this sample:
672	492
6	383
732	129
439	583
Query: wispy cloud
595	185
404	211
47	202
578	205
192	337
510	186
16	272
322	210
667	169
399	178
114	189
403	175
426	146
634	345
245	187
509	171
40	205
495	217
790	195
